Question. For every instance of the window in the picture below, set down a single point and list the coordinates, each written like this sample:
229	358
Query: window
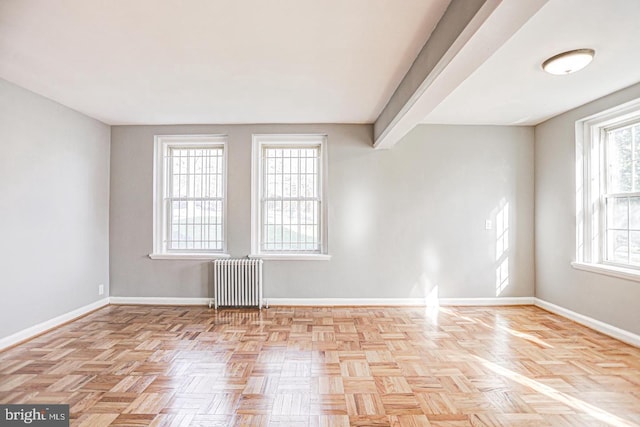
622	194
608	182
289	209
190	202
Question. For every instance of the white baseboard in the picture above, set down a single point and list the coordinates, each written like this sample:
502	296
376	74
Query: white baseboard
274	301
325	302
398	301
605	328
38	329
159	301
486	301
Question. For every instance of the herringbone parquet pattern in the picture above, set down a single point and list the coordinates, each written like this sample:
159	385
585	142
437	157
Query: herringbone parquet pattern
295	366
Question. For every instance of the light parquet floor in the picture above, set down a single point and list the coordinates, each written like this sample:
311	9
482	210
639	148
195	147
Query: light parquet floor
339	366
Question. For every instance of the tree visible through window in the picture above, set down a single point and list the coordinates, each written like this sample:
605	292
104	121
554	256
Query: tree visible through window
622	195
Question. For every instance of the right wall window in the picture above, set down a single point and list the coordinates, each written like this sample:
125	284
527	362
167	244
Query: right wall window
621	195
608	188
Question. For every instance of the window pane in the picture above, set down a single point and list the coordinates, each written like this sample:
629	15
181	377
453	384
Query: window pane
634	248
636	157
619	156
634	213
183	180
618	213
618	246
211	187
286	185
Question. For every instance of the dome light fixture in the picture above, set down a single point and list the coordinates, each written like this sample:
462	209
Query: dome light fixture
568	62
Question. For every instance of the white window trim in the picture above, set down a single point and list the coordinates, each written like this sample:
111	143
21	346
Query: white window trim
608	270
291	257
161	142
258	141
191	255
589	158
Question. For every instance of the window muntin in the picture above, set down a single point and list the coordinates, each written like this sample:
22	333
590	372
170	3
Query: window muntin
621	196
289	199
190	193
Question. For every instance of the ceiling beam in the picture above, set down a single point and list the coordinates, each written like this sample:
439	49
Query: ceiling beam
468	33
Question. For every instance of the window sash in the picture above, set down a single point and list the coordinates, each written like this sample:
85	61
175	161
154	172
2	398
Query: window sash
302	243
190	209
299	230
629	230
620	237
211	235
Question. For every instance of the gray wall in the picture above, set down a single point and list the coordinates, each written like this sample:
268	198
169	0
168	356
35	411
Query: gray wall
605	298
400	221
54	201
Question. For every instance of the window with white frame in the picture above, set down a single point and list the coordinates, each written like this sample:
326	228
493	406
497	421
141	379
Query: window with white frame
289	207
190	199
608	183
622	194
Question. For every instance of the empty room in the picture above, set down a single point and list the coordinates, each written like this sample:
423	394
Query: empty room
320	213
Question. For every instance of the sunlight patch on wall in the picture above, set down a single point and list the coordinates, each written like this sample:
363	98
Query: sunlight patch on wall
502	248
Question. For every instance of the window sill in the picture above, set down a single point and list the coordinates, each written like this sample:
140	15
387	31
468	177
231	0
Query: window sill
608	270
292	257
189	256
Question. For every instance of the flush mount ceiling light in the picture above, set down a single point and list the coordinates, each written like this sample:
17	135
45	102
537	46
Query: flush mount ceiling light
568	62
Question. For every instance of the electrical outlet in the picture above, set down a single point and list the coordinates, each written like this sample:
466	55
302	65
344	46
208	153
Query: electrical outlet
488	225
100	289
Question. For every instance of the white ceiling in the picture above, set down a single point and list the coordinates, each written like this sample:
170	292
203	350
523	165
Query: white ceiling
215	61
303	61
510	88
